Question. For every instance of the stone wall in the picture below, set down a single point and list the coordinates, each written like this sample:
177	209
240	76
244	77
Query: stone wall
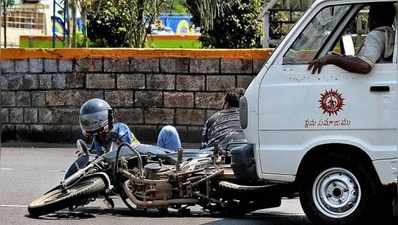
41	94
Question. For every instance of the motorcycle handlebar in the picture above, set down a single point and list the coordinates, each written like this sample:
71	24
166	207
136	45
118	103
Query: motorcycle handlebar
140	163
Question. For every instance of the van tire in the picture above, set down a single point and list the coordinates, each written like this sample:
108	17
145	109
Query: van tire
337	190
386	206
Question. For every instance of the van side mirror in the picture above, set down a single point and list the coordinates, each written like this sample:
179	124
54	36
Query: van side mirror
348	45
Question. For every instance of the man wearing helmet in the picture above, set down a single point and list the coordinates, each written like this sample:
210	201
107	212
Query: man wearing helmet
96	121
95	116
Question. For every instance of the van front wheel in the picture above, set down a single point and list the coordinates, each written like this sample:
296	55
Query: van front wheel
336	192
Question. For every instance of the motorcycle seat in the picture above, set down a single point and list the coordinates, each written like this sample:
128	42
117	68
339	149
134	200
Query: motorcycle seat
169	155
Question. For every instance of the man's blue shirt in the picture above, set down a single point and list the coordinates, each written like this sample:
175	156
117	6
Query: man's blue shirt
123	134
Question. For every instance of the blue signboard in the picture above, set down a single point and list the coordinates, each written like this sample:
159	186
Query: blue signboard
180	24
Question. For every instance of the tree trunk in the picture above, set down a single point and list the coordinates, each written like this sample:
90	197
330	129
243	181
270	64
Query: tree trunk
74	27
141	7
5	23
85	36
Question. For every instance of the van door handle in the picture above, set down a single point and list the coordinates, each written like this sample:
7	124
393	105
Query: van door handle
380	88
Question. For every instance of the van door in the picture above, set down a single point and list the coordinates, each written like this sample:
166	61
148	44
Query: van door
396	103
299	110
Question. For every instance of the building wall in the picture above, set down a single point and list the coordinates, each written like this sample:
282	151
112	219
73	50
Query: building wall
24	19
13	35
42	90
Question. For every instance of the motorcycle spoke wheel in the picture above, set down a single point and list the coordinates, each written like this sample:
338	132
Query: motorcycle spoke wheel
129	203
60	198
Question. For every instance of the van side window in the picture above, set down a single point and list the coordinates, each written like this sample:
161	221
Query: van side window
355	33
310	41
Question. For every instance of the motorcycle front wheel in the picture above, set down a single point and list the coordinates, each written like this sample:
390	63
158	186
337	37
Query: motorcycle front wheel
61	198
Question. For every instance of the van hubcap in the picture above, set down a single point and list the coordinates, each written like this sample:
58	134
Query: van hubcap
336	192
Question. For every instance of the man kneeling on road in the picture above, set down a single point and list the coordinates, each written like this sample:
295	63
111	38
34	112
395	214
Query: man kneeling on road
223	127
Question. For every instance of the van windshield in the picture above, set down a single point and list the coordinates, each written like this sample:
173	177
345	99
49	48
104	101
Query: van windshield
315	34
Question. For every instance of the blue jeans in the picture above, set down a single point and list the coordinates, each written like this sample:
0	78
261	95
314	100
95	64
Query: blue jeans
168	138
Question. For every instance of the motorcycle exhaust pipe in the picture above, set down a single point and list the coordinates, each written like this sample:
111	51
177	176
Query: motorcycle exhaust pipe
156	203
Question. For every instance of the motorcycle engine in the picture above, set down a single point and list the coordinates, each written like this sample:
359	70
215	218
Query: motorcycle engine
155	186
151	171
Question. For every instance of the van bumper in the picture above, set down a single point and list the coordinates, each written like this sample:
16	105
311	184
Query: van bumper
395	203
388	174
387	170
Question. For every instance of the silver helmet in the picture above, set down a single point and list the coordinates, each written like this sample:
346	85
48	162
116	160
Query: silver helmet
94	116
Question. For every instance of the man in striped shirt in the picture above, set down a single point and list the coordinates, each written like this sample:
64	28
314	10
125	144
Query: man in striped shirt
223	127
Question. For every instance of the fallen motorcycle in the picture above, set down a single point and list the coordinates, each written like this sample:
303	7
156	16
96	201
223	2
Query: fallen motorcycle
146	176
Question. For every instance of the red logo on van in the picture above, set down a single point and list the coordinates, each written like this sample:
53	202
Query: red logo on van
331	102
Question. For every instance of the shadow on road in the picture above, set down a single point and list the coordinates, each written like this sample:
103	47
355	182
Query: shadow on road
63	215
255	218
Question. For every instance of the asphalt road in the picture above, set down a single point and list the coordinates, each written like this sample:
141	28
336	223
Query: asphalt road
25	173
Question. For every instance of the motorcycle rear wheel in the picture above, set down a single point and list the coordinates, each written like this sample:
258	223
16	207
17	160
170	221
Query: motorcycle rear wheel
129	203
60	198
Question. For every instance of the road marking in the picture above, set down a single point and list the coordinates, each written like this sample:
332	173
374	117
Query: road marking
14	206
56	171
12	169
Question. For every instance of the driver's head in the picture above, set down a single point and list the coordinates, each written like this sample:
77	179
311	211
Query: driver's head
232	97
381	14
94	117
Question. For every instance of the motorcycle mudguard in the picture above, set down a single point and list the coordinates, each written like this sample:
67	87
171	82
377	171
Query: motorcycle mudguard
56	187
104	177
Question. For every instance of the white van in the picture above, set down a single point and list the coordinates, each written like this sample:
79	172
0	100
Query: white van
334	134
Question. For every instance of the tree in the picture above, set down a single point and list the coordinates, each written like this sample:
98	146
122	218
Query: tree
73	4
227	23
4	4
177	7
10	2
86	6
123	23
